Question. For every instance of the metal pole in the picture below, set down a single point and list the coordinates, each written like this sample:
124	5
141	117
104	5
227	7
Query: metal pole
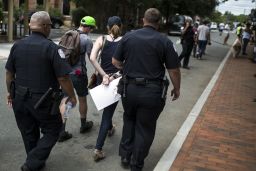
10	21
46	5
26	18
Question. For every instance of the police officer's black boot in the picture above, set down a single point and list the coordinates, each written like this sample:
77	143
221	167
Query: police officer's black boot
125	162
25	168
64	135
85	125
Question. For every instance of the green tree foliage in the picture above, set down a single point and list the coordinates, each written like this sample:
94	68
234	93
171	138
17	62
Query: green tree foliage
1	11
216	16
131	11
55	12
77	15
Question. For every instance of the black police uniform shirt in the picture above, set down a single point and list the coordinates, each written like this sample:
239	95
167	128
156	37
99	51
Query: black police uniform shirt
37	62
146	53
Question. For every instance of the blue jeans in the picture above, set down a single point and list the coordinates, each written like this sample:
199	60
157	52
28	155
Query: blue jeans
106	125
245	43
201	47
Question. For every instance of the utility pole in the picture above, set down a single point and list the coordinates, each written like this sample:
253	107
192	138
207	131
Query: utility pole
10	21
26	17
46	5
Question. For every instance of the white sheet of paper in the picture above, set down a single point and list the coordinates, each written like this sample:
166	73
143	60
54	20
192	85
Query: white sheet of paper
104	96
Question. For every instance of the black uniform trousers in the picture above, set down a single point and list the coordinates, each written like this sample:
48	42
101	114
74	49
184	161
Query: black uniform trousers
30	122
186	52
142	107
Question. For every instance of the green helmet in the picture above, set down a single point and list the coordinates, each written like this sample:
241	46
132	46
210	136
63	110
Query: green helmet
88	21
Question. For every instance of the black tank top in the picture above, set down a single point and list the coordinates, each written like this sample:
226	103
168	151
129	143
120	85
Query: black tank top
106	56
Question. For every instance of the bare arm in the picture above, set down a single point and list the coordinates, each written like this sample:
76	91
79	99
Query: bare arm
9	79
117	64
94	54
67	86
93	58
185	29
175	78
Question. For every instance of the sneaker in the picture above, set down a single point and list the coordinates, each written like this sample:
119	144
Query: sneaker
112	130
86	127
64	136
98	155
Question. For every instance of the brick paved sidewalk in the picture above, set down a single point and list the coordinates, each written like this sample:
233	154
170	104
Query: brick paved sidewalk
224	134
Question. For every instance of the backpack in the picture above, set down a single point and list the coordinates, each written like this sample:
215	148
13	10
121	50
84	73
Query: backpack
70	44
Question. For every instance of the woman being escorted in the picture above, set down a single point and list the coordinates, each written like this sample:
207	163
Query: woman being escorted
107	44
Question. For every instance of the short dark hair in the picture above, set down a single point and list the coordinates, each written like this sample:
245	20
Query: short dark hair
152	15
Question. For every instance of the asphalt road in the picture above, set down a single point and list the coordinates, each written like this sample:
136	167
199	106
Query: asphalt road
76	153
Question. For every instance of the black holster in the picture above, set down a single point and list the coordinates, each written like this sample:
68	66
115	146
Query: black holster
122	85
165	85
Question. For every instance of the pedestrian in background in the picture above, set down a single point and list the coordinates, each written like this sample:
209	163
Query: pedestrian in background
107	45
195	38
239	31
246	37
143	55
79	76
203	38
187	42
36	65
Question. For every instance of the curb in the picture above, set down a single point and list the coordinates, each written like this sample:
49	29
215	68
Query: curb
167	159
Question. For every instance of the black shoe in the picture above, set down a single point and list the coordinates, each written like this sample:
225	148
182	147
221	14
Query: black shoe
186	67
64	136
24	167
86	127
125	162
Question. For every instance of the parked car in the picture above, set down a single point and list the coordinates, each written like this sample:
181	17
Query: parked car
56	21
176	24
213	26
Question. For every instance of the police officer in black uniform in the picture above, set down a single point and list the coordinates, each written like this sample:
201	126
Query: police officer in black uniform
37	67
143	56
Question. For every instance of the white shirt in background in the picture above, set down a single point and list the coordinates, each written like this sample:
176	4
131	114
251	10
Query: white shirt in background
203	30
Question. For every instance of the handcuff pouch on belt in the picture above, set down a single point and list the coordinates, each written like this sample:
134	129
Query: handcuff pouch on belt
22	92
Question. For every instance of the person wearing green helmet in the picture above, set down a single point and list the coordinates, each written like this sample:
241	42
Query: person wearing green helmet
88	21
79	75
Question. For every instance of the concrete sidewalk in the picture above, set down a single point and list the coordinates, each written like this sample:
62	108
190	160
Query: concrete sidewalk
223	135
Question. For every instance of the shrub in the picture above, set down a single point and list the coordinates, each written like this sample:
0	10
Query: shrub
77	15
55	12
1	11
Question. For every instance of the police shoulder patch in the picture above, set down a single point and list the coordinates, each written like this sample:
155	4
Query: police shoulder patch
61	53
